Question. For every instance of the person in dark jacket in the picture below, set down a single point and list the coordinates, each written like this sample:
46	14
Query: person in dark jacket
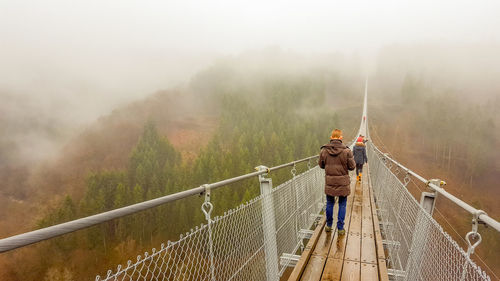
337	160
360	158
362	139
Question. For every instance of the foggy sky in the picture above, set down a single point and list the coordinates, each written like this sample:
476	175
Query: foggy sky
233	26
80	59
135	47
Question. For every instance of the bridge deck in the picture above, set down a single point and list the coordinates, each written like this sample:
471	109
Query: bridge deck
358	255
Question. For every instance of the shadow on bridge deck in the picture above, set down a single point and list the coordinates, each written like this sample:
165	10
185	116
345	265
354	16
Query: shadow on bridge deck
358	255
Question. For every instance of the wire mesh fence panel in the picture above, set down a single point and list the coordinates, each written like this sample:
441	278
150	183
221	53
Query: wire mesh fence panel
417	246
232	246
296	203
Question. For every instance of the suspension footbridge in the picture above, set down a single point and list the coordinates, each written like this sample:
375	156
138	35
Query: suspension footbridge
358	255
280	233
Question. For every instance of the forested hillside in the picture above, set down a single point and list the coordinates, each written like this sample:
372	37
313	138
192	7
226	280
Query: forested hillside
269	119
231	117
439	131
104	104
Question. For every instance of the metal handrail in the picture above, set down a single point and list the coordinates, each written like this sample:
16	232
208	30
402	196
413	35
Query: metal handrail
480	213
35	236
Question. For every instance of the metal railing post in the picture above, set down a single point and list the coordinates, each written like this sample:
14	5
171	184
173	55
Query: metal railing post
269	226
417	248
420	233
428	199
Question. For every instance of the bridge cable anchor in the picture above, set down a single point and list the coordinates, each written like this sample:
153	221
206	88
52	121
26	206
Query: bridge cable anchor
207	208
386	162
293	171
407	179
264	169
474	234
397	171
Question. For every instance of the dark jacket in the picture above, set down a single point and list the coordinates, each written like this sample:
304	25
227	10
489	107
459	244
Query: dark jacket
337	160
359	152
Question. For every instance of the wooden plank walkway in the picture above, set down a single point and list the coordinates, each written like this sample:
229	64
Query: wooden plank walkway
358	255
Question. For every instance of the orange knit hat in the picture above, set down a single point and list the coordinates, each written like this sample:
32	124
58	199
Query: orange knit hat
336	134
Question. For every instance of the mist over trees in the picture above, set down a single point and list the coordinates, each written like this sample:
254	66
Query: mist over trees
105	104
264	107
435	109
267	118
447	99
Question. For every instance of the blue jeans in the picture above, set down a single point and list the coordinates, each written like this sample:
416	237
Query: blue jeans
330	202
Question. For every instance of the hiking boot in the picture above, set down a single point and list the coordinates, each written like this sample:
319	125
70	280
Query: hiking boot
341	232
328	228
357	178
360	176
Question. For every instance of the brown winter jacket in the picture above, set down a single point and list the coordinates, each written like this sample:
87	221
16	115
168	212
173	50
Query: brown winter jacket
337	160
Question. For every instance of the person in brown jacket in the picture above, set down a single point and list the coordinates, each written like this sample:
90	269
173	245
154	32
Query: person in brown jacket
337	160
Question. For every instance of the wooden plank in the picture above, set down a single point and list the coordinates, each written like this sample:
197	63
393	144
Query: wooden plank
366	193
306	254
357	214
316	264
382	266
382	270
368	251
358	192
355	223
325	239
353	247
378	241
369	272
378	237
367	227
337	249
367	219
368	211
314	269
324	242
333	270
350	271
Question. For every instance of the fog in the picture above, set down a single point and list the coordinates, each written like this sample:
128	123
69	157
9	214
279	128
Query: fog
65	63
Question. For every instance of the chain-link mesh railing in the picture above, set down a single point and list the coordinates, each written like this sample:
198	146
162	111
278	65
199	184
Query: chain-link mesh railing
417	246
232	246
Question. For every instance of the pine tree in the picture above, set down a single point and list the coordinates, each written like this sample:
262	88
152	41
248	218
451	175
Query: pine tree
138	227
